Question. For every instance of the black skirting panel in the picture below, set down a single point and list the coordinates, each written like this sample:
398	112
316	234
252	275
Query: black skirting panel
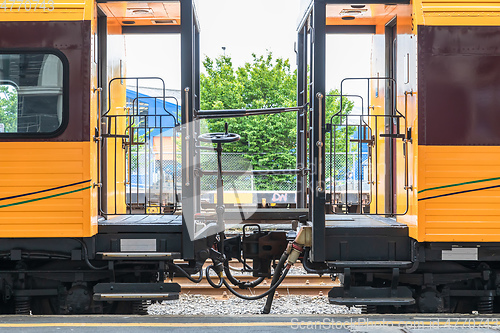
366	238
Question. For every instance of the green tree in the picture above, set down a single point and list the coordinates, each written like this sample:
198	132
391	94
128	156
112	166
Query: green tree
220	88
336	139
338	121
267	141
8	108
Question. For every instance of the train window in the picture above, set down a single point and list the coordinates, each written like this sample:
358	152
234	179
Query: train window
31	93
8	107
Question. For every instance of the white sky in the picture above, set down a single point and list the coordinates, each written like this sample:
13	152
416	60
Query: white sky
245	27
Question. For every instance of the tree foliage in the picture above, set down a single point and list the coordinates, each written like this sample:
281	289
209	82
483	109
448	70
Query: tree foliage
8	108
267	141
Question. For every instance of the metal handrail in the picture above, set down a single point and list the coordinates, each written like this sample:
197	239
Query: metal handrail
332	141
396	115
137	86
187	135
233	113
319	143
376	117
147	127
253	172
175	117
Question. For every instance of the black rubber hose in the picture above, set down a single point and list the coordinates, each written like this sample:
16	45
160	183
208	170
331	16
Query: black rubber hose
253	298
277	273
86	256
186	274
305	260
238	283
209	279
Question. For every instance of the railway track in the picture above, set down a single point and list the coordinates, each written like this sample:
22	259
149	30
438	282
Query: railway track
294	284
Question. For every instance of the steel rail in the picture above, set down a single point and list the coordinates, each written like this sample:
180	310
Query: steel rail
311	285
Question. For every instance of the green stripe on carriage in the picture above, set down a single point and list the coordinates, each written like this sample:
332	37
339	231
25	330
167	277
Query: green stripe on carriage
459	184
43	198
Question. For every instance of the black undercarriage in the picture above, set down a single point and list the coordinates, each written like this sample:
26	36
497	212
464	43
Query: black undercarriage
126	265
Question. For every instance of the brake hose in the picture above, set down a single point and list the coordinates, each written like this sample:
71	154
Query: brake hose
308	269
186	274
277	271
238	283
248	298
272	289
209	279
86	256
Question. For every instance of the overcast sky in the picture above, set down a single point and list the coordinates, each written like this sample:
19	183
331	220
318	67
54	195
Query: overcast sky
244	27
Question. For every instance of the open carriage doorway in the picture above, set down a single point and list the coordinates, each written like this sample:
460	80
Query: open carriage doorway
347	158
139	55
363	133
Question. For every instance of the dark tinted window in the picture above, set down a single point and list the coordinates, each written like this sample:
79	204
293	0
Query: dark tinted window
31	93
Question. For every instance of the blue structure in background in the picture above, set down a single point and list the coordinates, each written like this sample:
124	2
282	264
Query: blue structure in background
155	105
353	166
158	113
361	152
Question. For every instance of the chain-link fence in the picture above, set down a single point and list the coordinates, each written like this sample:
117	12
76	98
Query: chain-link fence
348	171
351	170
230	161
152	178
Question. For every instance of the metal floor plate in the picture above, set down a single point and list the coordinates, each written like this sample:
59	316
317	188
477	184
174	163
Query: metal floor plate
360	221
142	223
142	219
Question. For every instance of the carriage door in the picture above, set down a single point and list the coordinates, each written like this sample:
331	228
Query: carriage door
390	120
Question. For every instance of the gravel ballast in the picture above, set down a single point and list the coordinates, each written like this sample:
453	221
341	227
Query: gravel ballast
188	305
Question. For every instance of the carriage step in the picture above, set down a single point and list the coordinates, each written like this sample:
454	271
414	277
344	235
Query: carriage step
138	255
371	263
371	301
371	296
205	217
136	291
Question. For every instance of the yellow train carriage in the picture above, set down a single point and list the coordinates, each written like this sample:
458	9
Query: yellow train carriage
433	143
47	172
426	240
64	127
52	172
459	141
441	56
